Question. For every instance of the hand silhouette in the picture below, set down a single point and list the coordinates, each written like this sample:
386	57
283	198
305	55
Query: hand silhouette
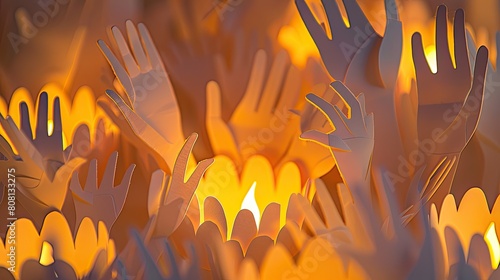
151	97
313	160
351	143
448	106
42	178
104	201
170	196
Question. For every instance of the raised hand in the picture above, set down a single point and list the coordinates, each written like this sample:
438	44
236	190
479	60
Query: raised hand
448	105
339	52
170	196
365	62
261	122
42	178
150	100
351	143
313	160
104	201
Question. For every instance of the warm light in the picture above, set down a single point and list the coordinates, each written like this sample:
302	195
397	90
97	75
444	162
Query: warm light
250	204
46	256
491	239
430	54
50	127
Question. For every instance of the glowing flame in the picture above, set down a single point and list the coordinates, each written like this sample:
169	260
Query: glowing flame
250	204
46	256
491	239
430	54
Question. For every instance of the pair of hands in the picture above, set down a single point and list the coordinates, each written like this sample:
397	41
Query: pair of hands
42	171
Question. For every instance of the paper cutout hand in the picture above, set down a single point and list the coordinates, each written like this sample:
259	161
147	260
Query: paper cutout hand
260	124
339	52
43	182
152	100
313	160
351	143
104	201
170	196
447	101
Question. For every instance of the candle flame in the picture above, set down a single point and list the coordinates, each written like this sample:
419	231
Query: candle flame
46	256
250	204
492	240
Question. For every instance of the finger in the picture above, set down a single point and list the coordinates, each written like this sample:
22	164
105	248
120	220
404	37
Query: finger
119	71
195	178
77	191
121	194
334	16
108	180
152	52
317	32
349	98
220	136
56	115
182	160
355	14
42	116
422	68
312	218
390	52
136	45
92	178
25	120
255	83
24	147
473	103
128	59
157	189
274	83
461	54
291	90
391	10
362	104
442	48
326	108
214	110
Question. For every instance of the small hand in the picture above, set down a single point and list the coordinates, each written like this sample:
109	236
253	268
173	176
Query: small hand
147	85
104	201
170	196
351	143
313	160
261	122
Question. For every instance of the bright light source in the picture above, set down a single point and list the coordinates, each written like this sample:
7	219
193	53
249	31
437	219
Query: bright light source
50	127
491	239
250	204
46	256
430	54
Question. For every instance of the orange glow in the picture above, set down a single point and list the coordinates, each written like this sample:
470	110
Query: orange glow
249	203
492	240
46	256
